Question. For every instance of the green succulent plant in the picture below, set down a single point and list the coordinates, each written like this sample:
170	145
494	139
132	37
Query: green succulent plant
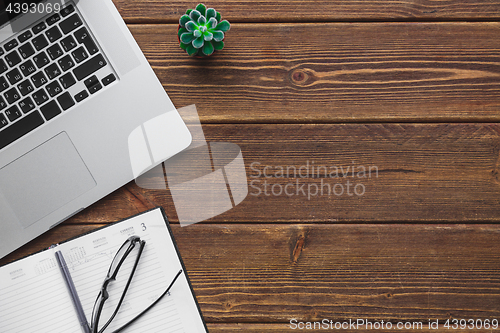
201	31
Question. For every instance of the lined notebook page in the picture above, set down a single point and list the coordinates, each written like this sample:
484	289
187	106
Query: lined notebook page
89	257
34	298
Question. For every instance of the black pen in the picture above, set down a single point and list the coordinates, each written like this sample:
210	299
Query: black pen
73	293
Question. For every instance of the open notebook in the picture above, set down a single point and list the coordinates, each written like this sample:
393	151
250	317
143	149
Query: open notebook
35	298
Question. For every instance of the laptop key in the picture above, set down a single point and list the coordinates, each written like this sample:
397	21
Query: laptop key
80	54
66	63
66	101
12	95
20	128
26	105
68	43
83	36
40	97
52	71
3	84
53	88
3	66
95	88
13	58
41	59
14	76
27	68
70	24
39	42
108	79
53	19
39	79
3	121
26	50
89	67
91	81
93	84
39	27
10	45
13	113
50	110
81	95
67	80
3	104
25	36
54	51
25	87
53	34
67	10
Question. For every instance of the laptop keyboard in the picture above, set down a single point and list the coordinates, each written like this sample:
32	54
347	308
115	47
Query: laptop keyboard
45	71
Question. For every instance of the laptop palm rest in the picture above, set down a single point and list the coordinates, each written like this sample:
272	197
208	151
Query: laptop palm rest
44	179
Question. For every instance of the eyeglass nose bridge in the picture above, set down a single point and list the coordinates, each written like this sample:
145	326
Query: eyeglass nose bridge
104	289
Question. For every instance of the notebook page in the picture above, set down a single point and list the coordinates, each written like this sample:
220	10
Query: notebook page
34	298
88	259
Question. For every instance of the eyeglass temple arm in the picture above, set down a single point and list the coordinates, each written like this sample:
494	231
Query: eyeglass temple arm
141	248
152	304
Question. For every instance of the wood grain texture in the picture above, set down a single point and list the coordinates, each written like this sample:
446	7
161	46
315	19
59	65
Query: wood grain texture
311	10
258	273
252	273
419	173
376	72
412	88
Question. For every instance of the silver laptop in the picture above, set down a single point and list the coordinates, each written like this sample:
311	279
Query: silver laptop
74	85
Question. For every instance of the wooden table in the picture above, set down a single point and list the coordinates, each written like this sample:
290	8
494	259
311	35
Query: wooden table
409	87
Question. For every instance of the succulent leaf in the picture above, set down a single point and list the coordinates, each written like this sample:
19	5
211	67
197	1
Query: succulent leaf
207	49
208	36
218	35
197	33
183	20
191	26
181	31
212	23
198	42
191	50
187	37
218	45
210	13
223	26
194	15
189	11
201	8
218	17
202	20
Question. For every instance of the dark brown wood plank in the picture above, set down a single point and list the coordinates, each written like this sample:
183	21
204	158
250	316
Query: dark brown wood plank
375	72
311	10
394	272
409	172
273	273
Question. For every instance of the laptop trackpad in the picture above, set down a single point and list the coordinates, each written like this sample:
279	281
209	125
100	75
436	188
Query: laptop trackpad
45	179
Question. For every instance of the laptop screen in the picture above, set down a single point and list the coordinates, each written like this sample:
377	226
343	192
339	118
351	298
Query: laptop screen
10	9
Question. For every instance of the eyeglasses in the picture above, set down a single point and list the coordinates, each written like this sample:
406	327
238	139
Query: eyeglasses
133	246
